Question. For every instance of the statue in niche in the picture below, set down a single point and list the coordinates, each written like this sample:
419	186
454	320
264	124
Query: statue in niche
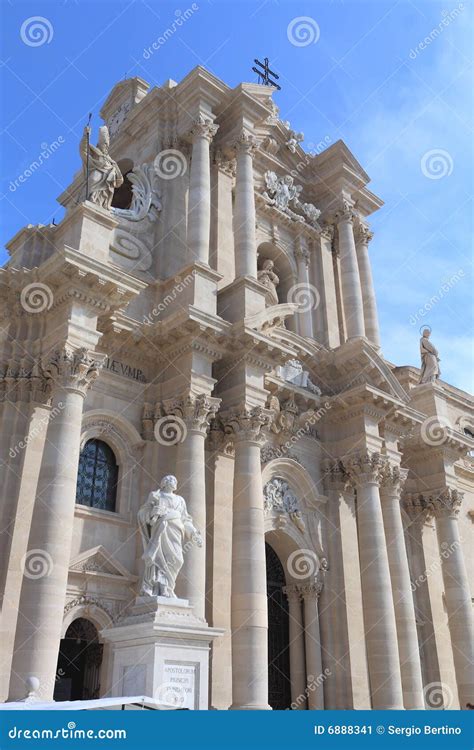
268	278
430	370
164	524
104	172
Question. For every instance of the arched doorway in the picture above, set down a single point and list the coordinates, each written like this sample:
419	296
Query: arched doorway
279	683
80	657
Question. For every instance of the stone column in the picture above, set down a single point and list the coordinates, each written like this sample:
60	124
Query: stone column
46	563
297	655
194	413
314	662
244	210
249	585
371	320
306	293
328	291
350	281
408	646
199	209
446	506
379	615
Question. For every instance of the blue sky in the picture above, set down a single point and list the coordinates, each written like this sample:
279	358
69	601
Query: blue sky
392	79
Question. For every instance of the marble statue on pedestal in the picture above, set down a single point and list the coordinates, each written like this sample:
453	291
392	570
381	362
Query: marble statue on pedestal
104	172
430	371
164	524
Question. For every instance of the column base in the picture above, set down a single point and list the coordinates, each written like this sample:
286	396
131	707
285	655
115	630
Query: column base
161	649
265	707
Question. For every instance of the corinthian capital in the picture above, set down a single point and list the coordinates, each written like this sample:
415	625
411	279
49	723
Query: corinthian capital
203	127
196	411
393	478
335	477
312	589
364	468
362	234
344	212
246	423
245	143
72	369
445	504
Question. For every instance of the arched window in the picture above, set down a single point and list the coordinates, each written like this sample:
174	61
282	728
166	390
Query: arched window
97	476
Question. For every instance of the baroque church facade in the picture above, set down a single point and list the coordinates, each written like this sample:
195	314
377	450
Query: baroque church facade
209	312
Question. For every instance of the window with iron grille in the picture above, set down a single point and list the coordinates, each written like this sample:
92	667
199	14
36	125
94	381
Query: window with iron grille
97	476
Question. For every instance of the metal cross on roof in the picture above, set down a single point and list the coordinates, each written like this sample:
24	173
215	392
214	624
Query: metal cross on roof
265	73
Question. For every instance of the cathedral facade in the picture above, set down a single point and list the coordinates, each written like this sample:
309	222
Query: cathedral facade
206	310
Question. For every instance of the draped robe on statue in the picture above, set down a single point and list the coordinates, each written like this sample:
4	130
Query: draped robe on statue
429	361
164	523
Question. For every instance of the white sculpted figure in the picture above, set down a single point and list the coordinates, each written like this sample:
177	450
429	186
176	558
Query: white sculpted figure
281	190
164	524
269	278
104	172
429	359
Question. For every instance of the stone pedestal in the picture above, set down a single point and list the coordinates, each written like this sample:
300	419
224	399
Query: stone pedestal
161	649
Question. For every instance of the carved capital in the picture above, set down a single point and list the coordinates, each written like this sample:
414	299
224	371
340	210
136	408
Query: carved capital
312	589
72	369
344	212
364	468
393	479
203	127
196	411
335	477
362	234
246	423
302	254
224	164
327	232
446	503
292	592
245	143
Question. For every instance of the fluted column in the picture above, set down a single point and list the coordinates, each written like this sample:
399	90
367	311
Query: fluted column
249	584
194	412
199	210
244	210
408	646
314	662
446	506
306	293
350	281
379	615
46	563
371	320
297	654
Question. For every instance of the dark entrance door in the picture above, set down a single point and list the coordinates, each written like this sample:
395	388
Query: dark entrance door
80	657
279	685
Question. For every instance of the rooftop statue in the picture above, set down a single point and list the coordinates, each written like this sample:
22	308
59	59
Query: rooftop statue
430	371
103	173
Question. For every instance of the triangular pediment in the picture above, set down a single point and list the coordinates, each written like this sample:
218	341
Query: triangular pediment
98	561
